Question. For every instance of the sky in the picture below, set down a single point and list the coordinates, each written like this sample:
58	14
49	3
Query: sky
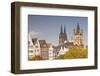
47	28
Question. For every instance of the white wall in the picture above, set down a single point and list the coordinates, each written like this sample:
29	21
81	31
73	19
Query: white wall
5	33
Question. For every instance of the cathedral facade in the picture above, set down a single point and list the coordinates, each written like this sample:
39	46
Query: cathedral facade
62	36
77	37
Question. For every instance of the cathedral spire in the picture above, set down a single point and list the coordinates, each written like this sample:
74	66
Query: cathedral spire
78	28
64	30
65	34
61	30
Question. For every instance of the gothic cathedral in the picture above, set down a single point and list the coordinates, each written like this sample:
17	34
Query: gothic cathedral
77	38
62	36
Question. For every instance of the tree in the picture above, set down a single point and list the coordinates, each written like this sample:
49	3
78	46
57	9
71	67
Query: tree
37	58
74	53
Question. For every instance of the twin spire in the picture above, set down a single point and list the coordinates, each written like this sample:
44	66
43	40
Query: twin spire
62	30
78	30
63	33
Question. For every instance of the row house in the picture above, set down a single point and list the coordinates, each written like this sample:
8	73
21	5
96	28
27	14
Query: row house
39	48
33	48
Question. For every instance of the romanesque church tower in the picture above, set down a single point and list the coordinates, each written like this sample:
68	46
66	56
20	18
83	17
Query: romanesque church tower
62	36
78	37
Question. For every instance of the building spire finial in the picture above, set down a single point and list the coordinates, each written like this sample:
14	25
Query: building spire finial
78	28
65	34
61	30
64	29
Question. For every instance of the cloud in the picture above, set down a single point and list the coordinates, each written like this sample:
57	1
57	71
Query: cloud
34	34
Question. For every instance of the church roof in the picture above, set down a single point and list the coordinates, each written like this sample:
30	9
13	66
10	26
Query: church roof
68	44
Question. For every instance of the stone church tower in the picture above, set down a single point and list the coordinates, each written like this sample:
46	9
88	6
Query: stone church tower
78	37
62	36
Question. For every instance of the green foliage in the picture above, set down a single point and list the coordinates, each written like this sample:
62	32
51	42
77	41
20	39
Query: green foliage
60	57
37	58
75	53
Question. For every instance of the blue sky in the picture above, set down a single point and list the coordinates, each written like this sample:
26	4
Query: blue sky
48	27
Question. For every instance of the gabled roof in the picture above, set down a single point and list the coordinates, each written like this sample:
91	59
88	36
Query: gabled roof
43	44
34	40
